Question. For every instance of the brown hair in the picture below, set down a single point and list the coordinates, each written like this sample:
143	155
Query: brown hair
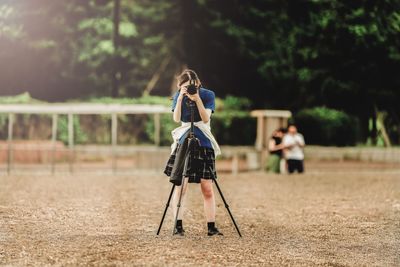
188	75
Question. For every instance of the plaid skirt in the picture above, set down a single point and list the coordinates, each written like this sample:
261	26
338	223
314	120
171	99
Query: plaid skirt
202	162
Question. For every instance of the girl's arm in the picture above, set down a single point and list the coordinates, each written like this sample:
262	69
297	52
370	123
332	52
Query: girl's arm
205	114
178	106
272	146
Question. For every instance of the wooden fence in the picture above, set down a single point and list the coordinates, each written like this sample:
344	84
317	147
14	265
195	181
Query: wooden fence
115	158
72	110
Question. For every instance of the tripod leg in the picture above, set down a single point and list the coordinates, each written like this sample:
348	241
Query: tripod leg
227	206
166	208
179	204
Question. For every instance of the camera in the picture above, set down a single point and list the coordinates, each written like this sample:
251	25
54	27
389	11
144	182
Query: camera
192	89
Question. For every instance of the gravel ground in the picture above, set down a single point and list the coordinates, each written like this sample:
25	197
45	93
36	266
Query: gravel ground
337	214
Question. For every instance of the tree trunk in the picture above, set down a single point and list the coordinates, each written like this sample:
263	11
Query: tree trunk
116	75
374	131
156	76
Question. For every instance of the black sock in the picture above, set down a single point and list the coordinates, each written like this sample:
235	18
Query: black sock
179	224
211	225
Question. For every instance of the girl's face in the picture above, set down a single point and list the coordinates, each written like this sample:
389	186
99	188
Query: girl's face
278	134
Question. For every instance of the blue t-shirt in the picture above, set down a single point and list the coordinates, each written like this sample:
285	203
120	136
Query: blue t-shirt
208	98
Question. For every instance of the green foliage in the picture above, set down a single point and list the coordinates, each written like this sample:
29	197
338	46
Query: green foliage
235	103
80	136
234	115
134	129
150	100
76	48
234	128
340	54
167	125
24	98
324	126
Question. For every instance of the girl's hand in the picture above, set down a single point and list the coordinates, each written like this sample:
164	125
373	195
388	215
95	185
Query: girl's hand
194	97
182	93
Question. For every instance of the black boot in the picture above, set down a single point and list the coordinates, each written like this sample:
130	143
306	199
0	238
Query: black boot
179	231
212	230
179	228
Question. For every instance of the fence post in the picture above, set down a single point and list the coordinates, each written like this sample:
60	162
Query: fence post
10	145
157	127
114	134
260	133
71	141
53	141
235	163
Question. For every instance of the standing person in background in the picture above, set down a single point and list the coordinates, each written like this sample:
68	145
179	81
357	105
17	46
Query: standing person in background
294	144
275	148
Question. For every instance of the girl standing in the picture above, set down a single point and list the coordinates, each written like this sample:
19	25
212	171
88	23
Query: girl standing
275	148
204	157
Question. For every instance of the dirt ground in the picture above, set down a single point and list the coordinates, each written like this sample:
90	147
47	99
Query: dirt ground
337	214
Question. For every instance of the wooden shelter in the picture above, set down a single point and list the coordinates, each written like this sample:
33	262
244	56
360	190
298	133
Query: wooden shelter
267	122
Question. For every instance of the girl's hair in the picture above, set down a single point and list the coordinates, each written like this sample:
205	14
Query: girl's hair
188	75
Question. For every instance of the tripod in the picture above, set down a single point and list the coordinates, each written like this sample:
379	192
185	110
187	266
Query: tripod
191	141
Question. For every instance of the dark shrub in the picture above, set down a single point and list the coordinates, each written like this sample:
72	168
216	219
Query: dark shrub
234	128
324	126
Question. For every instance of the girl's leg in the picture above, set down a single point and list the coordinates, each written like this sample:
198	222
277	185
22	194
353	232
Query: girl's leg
175	199
209	199
209	206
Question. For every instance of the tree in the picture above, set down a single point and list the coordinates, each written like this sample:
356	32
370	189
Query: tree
116	74
81	44
341	54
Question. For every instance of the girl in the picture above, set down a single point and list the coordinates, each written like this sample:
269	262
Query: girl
275	148
204	156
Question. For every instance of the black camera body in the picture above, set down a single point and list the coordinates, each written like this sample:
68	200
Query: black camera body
192	89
